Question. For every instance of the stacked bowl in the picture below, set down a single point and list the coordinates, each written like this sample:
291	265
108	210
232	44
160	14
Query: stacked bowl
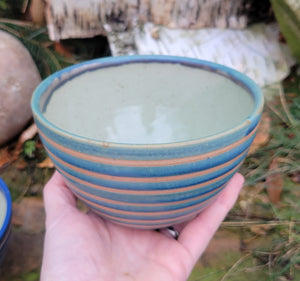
147	141
5	218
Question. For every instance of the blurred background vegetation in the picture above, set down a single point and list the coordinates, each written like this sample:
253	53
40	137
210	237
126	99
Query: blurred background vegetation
265	222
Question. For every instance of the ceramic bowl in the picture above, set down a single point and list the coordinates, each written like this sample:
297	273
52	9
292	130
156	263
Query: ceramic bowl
147	141
5	218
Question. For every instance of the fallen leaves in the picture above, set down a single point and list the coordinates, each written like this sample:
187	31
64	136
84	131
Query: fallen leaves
260	229
63	50
5	157
27	146
274	182
47	163
263	133
9	154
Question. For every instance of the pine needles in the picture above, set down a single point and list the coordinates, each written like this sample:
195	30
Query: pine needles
284	143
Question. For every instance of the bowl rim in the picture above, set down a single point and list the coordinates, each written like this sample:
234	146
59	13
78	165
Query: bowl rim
63	75
4	189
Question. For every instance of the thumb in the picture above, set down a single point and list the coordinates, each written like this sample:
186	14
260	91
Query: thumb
57	196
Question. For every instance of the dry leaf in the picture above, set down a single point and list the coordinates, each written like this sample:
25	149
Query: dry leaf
263	133
62	50
5	157
47	163
292	95
21	164
244	205
260	229
274	182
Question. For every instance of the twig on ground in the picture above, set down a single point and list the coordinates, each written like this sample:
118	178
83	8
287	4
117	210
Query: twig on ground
235	265
259	223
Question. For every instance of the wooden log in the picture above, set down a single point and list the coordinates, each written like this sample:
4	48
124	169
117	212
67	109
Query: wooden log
77	18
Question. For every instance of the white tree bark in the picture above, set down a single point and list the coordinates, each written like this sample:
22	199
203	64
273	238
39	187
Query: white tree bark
87	18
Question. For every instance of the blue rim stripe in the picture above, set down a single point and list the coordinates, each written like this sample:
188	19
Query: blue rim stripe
67	73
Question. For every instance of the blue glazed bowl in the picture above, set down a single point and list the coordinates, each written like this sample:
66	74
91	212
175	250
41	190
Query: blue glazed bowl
5	218
147	141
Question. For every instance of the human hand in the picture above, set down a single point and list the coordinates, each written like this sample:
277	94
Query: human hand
84	247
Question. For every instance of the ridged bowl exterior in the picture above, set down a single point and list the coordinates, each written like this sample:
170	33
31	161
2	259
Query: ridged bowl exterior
147	186
5	230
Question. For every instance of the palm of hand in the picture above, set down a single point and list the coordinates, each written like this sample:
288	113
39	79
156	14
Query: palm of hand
82	246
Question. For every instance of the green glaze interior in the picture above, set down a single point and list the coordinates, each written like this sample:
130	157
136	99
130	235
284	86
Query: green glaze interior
3	208
148	103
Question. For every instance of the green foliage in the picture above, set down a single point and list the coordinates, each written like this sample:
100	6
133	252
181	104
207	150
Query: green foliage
289	21
3	6
207	274
279	256
11	8
31	276
29	148
284	144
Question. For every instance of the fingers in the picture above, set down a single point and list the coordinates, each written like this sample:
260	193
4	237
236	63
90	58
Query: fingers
57	196
196	235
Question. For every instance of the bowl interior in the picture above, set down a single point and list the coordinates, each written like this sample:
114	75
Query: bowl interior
147	102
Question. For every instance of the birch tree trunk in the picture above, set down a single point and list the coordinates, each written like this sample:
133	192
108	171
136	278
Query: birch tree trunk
78	18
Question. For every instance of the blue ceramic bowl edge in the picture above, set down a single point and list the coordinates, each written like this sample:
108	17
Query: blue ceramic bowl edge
246	126
8	215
